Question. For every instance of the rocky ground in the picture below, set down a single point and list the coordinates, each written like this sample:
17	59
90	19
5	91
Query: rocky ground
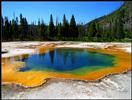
114	86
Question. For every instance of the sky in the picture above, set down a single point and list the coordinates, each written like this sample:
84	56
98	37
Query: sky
83	11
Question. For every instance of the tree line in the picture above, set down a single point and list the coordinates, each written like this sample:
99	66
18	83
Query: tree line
18	29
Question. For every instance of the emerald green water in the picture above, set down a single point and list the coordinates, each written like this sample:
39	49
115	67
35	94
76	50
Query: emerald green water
68	60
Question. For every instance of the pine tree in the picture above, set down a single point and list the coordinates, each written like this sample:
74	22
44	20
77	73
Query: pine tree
39	29
25	29
51	29
120	27
81	30
43	30
14	25
13	28
2	25
21	28
98	32
6	29
59	30
73	28
65	30
92	29
56	27
17	28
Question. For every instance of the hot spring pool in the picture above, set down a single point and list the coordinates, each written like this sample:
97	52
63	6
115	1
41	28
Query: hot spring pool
67	60
68	63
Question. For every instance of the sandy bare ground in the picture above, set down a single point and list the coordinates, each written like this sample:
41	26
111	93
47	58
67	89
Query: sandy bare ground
115	86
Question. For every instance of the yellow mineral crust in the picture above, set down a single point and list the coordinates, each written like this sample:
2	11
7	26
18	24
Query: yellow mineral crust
10	74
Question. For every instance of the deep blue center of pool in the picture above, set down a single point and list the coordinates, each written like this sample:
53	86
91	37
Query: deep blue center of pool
66	59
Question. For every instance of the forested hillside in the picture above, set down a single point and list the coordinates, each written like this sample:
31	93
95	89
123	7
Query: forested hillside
116	26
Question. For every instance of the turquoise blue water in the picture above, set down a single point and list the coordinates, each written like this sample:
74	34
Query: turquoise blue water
66	59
